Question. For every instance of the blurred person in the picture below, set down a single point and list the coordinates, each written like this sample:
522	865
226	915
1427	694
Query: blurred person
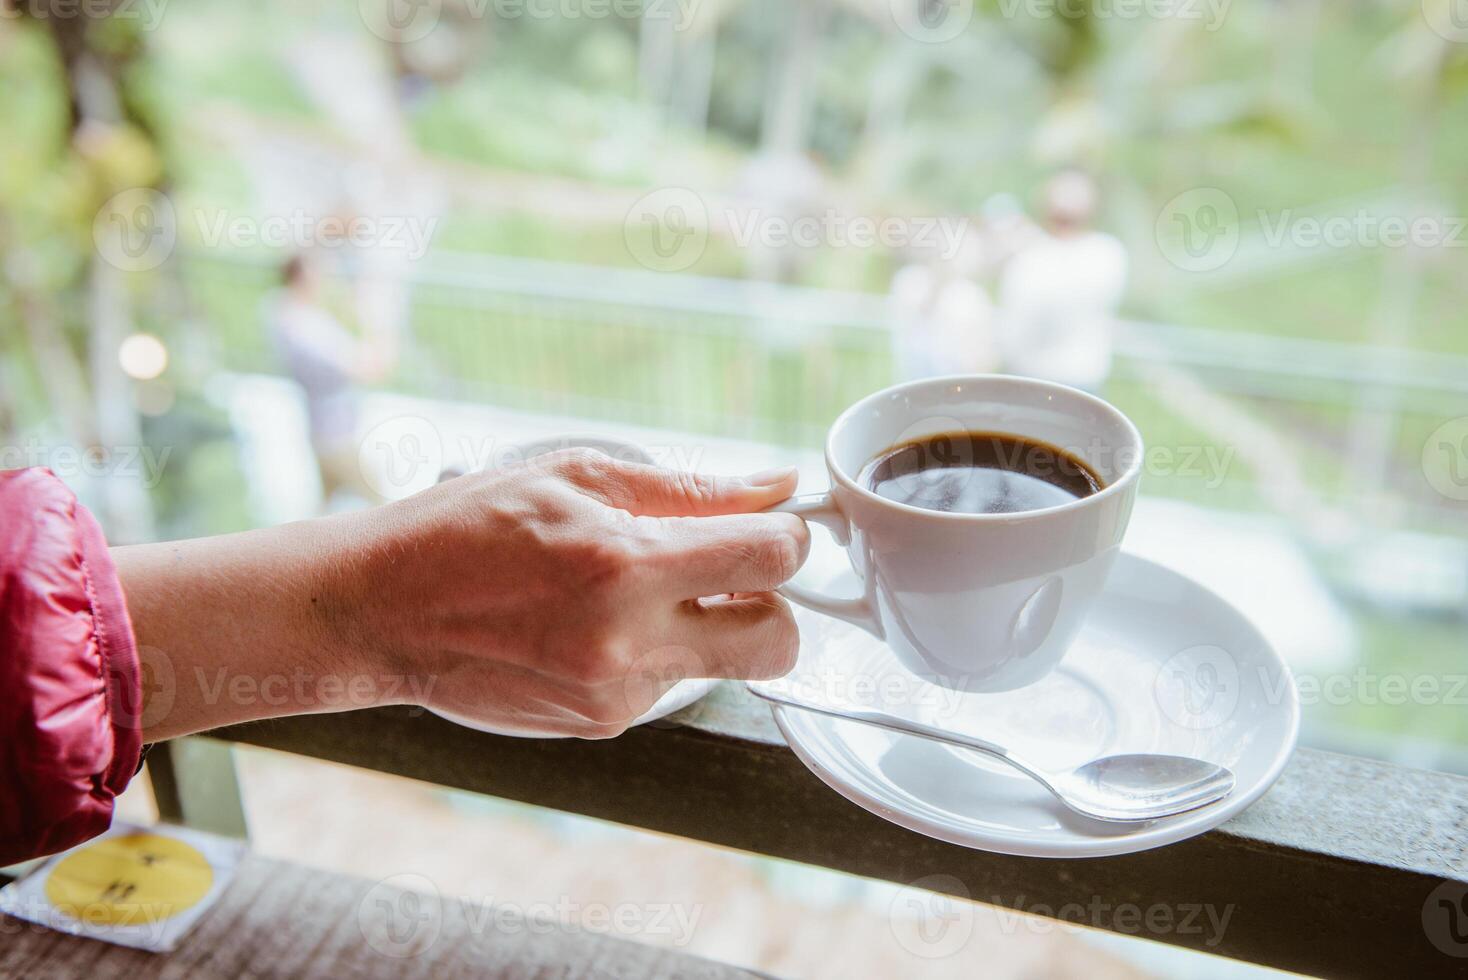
1058	296
328	361
942	320
560	596
1004	229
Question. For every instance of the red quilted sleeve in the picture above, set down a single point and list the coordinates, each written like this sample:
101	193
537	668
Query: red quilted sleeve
69	685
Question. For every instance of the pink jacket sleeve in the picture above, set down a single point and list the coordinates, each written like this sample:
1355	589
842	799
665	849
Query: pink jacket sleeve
69	686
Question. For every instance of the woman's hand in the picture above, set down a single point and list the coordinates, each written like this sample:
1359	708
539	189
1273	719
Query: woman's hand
559	596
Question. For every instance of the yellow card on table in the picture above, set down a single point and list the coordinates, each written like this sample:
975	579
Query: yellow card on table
133	886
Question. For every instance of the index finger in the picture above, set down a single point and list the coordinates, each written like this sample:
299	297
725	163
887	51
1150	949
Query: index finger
706	556
655	491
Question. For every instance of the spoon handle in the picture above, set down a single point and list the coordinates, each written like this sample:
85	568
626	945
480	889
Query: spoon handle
892	723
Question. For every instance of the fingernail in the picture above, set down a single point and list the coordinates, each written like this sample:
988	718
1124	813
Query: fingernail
770	478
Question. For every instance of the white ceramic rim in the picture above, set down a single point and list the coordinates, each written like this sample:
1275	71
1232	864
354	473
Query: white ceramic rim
1172	829
1114	488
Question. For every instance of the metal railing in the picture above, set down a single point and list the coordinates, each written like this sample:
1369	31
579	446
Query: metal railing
777	363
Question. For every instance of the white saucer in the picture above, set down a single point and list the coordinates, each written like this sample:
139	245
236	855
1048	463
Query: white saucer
675	698
1162	665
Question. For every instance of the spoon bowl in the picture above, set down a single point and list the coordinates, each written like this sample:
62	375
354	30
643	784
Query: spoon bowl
1140	786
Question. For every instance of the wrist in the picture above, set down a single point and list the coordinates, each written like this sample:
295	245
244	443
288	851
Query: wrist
357	561
336	586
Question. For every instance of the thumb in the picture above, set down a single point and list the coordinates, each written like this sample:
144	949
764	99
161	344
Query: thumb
653	491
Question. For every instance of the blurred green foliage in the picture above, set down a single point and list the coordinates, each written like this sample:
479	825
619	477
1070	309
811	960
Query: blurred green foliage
1286	107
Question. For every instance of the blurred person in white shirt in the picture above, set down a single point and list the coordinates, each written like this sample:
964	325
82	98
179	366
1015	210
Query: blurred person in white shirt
1059	295
329	362
942	320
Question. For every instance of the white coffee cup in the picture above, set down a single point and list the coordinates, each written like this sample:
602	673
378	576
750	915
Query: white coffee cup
974	602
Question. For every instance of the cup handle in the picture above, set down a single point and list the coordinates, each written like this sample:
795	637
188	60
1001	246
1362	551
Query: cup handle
820	508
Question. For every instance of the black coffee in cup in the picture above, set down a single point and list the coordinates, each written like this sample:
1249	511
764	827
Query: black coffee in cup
979	473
